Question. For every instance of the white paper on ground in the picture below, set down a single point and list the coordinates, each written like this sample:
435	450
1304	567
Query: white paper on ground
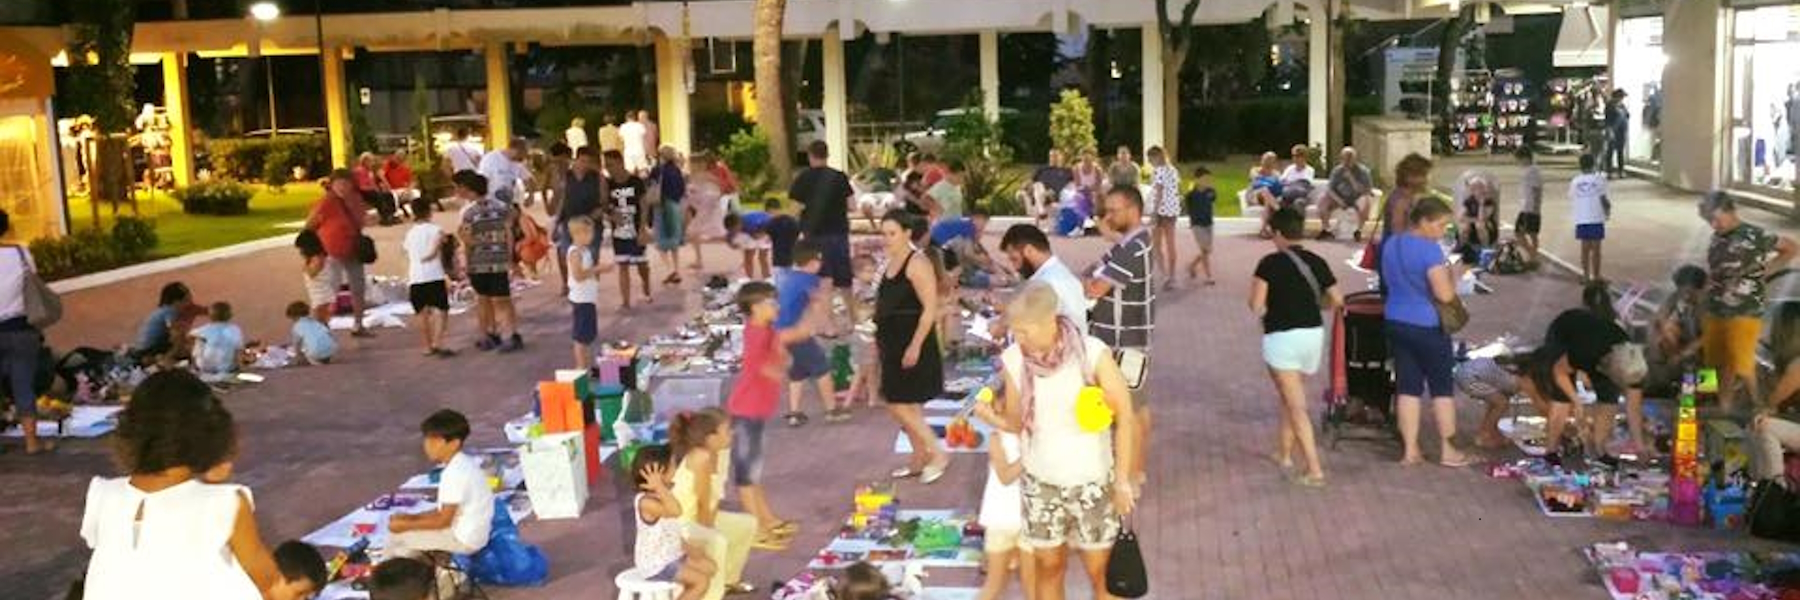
85	421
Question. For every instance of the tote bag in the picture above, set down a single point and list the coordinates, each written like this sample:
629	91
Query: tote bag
43	307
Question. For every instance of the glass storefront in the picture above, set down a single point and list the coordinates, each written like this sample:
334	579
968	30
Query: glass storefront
1638	70
1765	98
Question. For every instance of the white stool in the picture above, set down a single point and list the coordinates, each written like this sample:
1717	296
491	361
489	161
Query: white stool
633	586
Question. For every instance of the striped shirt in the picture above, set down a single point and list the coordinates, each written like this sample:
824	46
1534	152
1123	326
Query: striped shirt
1124	317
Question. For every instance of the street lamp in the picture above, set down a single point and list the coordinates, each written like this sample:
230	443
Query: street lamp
264	13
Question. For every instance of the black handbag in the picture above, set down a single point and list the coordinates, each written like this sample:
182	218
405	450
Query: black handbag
365	245
1125	575
1774	512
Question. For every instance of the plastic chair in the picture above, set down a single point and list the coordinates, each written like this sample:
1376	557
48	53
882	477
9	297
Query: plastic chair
635	585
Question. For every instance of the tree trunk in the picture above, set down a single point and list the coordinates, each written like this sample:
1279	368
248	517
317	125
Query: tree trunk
1099	79
1173	61
770	107
1335	92
790	93
110	174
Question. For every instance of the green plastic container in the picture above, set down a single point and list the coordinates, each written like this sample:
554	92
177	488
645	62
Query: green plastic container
609	408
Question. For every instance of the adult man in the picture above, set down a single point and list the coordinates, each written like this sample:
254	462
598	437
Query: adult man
505	171
463	153
1124	312
652	133
1738	263
964	256
487	235
1350	187
824	196
1618	125
610	138
637	148
1047	184
1029	250
576	135
338	218
581	197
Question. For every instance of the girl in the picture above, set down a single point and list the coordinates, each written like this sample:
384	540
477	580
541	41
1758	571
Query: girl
319	293
862	581
662	554
1165	201
1000	515
701	441
705	208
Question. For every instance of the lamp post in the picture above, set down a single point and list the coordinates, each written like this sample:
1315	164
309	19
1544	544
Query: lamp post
267	11
264	13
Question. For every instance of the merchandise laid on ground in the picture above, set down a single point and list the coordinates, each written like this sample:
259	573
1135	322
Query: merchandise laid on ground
1633	575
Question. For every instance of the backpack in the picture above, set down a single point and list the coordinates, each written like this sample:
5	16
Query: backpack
1510	260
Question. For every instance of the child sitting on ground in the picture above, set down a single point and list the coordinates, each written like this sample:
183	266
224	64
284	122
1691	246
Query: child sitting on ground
312	341
465	511
401	579
1001	515
302	571
584	290
320	295
661	552
219	344
749	234
754	400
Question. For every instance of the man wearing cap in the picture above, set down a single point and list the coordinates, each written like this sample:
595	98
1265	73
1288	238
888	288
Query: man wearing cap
1738	262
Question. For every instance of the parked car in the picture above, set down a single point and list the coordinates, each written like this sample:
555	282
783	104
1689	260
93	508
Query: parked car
931	139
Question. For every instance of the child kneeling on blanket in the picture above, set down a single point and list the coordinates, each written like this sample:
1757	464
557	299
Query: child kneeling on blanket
465	512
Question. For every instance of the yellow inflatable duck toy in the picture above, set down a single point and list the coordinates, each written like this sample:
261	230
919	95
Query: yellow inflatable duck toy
1091	411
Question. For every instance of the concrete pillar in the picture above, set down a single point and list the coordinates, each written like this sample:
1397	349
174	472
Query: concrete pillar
499	94
175	103
673	115
1694	121
990	73
837	110
1153	87
1318	76
337	108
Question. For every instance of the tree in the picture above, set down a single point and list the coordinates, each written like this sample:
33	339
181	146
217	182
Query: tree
770	106
100	84
1072	124
1176	37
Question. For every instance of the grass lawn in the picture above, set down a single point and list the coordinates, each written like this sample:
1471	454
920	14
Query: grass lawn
1228	177
271	213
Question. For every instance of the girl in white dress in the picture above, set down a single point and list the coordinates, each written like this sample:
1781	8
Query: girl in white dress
162	531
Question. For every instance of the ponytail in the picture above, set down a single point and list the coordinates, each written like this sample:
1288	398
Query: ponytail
690	429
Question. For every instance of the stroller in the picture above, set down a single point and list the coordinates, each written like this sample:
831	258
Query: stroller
1359	403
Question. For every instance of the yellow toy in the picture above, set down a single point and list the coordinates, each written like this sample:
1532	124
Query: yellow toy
986	395
1091	411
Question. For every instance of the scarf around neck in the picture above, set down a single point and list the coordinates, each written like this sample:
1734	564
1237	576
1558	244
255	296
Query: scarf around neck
1070	345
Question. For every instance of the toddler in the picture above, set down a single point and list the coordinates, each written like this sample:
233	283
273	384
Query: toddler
312	341
1001	514
867	376
584	290
661	552
320	294
402	579
217	344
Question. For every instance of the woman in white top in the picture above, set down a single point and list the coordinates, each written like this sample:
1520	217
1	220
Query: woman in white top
164	531
19	341
1075	485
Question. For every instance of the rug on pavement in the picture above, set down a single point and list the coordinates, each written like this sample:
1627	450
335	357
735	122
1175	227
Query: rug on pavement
85	421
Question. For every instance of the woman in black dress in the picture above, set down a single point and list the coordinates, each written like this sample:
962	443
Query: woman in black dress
912	365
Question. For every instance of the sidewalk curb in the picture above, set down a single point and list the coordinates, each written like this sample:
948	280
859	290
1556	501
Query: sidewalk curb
145	269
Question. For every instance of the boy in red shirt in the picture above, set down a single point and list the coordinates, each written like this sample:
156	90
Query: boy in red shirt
754	400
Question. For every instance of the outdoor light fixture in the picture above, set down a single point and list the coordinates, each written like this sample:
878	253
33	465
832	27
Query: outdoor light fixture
265	11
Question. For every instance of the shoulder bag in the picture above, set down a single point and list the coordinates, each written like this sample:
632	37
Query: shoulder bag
365	245
1312	281
1774	511
43	307
1125	573
1371	256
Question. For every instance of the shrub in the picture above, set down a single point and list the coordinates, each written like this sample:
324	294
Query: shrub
747	153
270	160
133	238
713	129
130	241
216	197
978	142
1072	124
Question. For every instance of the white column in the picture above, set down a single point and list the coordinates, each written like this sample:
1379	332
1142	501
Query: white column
990	73
1153	87
1694	121
837	112
1318	76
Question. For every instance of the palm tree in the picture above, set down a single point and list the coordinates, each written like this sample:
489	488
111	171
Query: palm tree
770	106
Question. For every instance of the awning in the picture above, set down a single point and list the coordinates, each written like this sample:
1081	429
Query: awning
1582	41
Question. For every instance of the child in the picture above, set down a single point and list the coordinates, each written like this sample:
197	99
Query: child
402	579
218	344
700	443
584	290
532	248
749	234
864	382
1164	205
862	581
627	210
803	297
783	230
1531	189
1587	196
302	571
1000	511
1200	218
312	341
465	502
661	552
427	277
753	401
320	294
1678	322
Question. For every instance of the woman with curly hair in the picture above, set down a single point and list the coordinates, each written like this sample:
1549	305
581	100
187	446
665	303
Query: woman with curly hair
167	529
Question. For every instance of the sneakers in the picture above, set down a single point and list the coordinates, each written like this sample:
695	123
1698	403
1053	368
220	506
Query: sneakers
488	342
837	415
796	419
511	345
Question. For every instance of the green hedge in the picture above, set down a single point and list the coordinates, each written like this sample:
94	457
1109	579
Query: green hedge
269	160
89	250
216	197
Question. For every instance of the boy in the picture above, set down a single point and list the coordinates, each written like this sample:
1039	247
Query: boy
1200	219
218	344
1678	329
312	341
401	579
584	290
428	288
1530	220
465	503
753	401
802	295
487	236
302	571
630	219
784	231
749	233
1587	197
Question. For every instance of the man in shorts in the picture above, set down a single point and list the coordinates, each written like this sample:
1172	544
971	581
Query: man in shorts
630	219
824	195
1739	261
1124	312
487	235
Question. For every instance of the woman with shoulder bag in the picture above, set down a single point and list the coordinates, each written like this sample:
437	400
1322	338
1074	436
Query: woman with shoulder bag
1422	310
19	340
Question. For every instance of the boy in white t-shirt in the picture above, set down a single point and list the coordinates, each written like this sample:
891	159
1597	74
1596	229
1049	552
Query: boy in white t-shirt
584	290
465	503
428	287
1001	515
1587	196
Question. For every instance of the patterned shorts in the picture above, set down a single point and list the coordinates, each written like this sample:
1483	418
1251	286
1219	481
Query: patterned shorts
1484	378
1080	517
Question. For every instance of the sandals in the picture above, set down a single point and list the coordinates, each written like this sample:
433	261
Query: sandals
906	472
771	542
796	419
934	471
739	588
1309	481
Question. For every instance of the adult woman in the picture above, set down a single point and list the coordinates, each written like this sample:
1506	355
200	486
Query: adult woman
1479	197
168	529
19	341
1417	279
912	370
1076	481
701	445
1412	179
1777	423
704	207
339	218
670	234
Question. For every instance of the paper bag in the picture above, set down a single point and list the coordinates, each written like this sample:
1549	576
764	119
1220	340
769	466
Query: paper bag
556	475
559	408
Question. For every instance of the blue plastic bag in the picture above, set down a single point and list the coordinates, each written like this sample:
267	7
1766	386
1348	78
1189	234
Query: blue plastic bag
506	560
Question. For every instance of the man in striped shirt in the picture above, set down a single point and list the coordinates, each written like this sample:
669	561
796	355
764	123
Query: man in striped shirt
1124	313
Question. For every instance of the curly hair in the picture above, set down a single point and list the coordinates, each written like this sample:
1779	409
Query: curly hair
174	420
